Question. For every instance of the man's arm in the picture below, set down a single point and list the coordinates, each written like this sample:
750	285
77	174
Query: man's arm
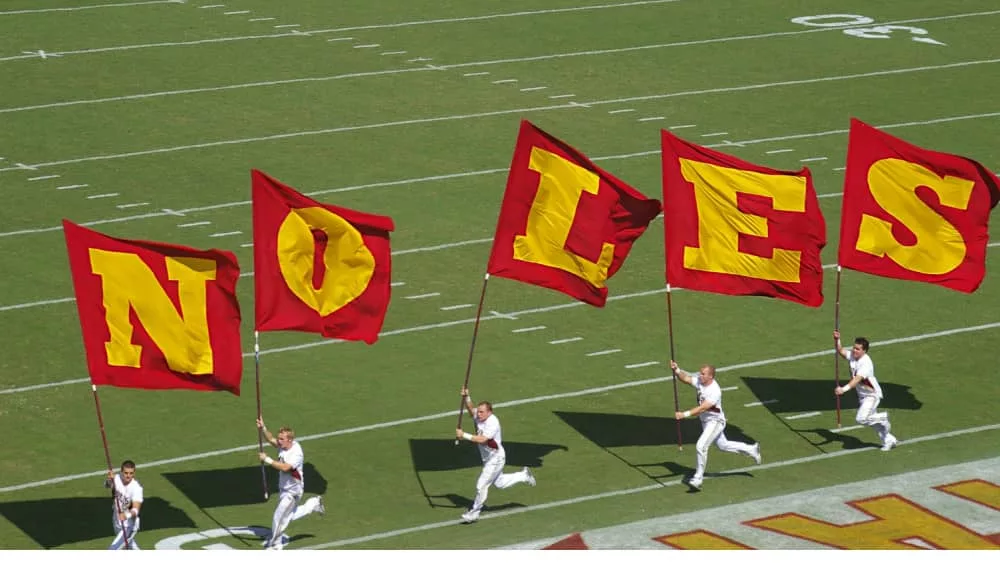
848	386
267	434
469	405
277	464
686	378
836	343
704	406
110	480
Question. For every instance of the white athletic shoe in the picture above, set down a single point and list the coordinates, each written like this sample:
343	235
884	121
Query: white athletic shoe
320	509
890	442
469	518
695	483
531	476
755	454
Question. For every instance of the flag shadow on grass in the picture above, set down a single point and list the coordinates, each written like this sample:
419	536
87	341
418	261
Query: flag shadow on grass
431	454
615	430
237	486
62	521
805	395
808	395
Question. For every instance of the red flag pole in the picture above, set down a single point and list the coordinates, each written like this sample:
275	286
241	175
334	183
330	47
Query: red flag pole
107	459
673	377
260	412
472	348
836	355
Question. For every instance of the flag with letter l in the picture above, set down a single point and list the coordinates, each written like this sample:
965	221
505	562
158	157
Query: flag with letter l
565	223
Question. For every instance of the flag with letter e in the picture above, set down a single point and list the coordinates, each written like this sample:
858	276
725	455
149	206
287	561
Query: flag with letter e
565	223
737	228
318	267
914	214
156	315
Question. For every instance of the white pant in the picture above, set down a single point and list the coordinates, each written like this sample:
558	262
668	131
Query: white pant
713	432
129	530
287	510
869	417
492	474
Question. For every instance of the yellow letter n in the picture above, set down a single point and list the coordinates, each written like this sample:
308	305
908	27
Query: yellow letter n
128	284
551	217
720	222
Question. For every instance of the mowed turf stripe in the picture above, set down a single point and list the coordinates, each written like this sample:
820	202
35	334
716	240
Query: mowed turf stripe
529	400
386	72
495	113
409	181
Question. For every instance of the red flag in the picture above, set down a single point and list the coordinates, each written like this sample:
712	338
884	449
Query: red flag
914	214
565	223
156	315
318	267
736	228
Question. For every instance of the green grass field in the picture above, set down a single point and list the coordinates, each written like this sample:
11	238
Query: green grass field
143	119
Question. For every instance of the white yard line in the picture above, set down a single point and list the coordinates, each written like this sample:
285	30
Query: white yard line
514	14
226	234
733	388
240	86
195	224
761	403
93	7
637	48
457	307
814	159
803	415
566	340
642	365
478	115
779	151
456	175
72	186
635	490
528	329
423	295
847	428
605	352
656	118
36	178
102	196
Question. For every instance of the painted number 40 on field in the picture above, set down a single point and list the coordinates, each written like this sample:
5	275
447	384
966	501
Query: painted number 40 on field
918	34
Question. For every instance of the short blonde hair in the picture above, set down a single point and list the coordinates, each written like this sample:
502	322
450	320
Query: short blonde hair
286	430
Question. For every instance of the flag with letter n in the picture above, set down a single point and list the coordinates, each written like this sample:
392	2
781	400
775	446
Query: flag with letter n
318	267
914	214
156	315
565	223
737	228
